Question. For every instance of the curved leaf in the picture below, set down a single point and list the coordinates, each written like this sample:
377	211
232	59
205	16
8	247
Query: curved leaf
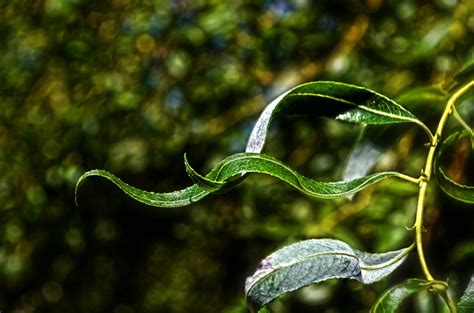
392	298
366	152
331	99
466	303
163	200
450	187
425	100
243	163
316	260
219	179
211	185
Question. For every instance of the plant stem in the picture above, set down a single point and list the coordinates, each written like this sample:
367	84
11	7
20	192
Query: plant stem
424	180
449	302
409	178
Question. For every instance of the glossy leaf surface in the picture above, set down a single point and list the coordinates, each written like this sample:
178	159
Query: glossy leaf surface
341	101
243	163
427	101
313	261
164	200
393	297
218	181
453	189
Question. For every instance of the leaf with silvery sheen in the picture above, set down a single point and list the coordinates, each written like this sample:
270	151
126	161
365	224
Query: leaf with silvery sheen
315	260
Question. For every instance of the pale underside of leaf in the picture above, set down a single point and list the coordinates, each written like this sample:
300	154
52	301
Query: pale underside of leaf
426	100
313	261
362	158
466	303
258	135
331	99
391	299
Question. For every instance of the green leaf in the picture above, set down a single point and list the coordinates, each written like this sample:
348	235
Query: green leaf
425	100
421	98
221	178
450	187
464	124
163	200
466	303
313	261
392	298
342	101
243	163
208	184
331	99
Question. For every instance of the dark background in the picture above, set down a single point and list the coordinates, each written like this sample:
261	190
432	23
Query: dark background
130	86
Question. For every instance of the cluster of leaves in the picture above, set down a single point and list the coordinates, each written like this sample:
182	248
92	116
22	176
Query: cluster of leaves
312	261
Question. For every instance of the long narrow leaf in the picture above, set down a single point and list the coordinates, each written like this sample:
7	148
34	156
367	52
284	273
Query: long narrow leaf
220	179
392	298
341	101
243	163
312	261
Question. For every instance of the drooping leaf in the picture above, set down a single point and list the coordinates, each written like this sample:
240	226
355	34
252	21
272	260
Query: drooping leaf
313	261
450	187
221	178
163	200
393	297
243	163
341	101
466	303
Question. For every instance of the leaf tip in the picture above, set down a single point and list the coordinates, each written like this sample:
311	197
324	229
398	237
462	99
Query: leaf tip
80	180
76	189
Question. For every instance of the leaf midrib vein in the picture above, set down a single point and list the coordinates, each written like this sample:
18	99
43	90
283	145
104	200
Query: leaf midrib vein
366	108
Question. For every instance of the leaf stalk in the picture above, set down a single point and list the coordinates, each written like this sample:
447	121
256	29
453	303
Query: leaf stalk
409	178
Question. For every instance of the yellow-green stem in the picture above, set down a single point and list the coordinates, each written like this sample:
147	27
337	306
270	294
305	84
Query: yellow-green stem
449	302
425	178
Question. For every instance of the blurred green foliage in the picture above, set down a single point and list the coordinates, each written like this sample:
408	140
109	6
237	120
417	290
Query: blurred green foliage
130	86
